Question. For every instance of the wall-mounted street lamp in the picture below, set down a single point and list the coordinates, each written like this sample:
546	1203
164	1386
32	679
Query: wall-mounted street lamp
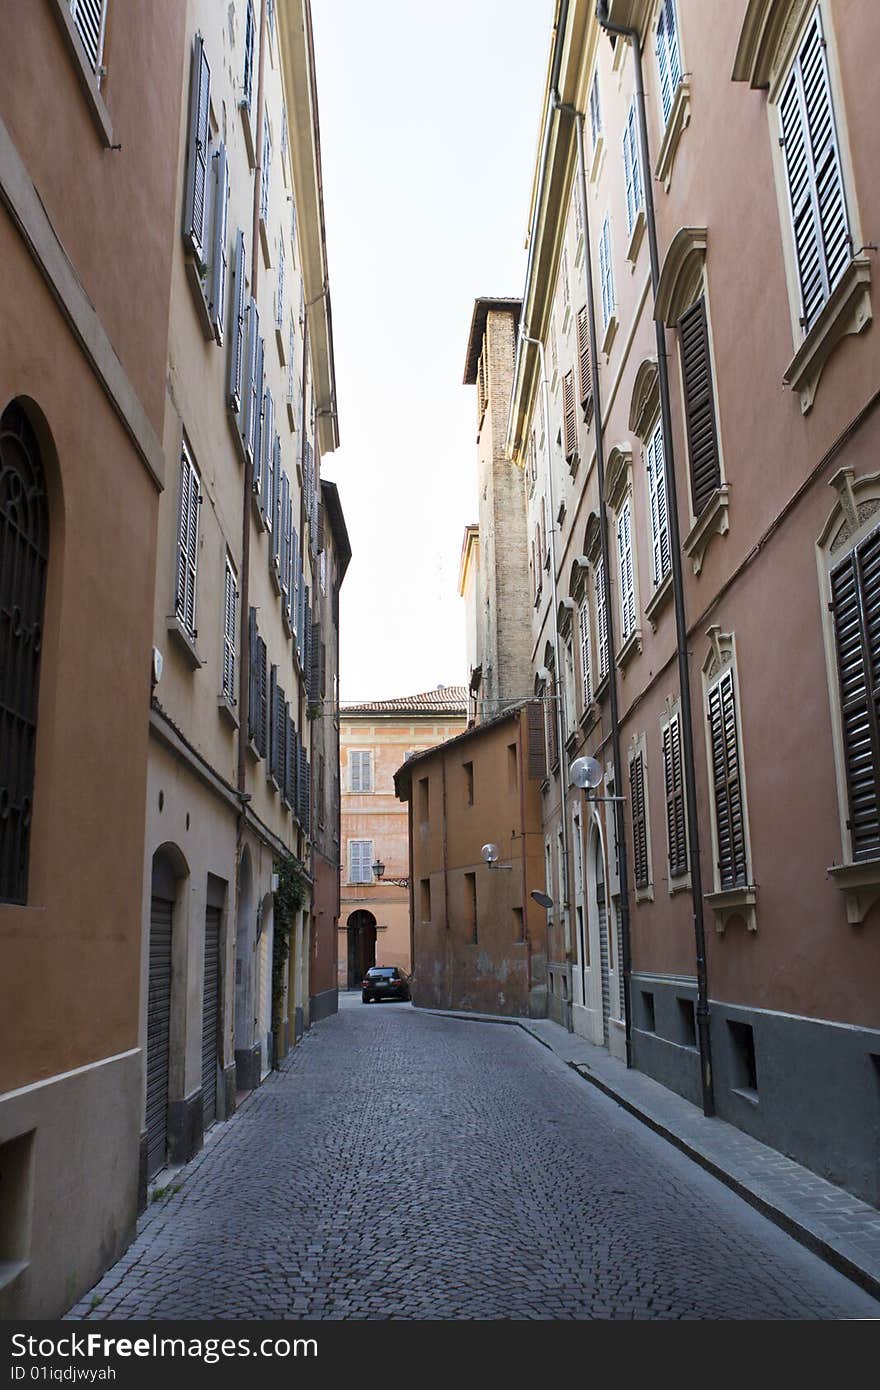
379	875
587	774
491	855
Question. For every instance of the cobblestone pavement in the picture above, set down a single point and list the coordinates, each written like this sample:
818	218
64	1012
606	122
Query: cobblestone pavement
405	1165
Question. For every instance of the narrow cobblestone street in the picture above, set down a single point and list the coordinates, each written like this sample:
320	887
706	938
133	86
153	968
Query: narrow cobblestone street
406	1165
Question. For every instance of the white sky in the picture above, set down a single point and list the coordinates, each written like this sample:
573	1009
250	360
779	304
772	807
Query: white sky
429	115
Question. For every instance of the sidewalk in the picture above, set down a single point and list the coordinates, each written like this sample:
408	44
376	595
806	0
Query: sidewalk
831	1222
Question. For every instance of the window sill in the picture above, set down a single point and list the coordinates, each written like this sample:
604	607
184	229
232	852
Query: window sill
847	311
661	596
197	285
712	519
88	79
602	688
645	895
587	408
860	885
275	574
270	781
632	645
227	711
572	739
590	716
573	460
259	517
680	884
186	641
635	240
609	335
285	616
598	153
679	118
733	902
254	751
746	1093
245	110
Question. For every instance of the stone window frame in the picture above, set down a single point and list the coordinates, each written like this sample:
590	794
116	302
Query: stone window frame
771	34
639	745
89	76
683	282
727	903
854	516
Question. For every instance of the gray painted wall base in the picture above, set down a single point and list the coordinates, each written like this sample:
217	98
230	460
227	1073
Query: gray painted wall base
323	1005
227	1091
248	1067
298	1024
143	1182
185	1127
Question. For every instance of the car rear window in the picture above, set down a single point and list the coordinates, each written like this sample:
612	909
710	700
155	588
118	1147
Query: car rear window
380	974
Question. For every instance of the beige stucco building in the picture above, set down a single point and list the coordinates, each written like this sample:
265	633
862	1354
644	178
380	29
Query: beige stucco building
374	915
697	430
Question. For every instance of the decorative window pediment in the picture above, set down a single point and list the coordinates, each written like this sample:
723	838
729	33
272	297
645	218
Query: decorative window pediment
618	472
644	405
765	40
682	274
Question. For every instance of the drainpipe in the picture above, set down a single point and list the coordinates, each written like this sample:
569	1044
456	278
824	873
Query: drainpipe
556	696
677	579
521	768
619	830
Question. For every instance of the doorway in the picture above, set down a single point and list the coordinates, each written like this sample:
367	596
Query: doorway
361	946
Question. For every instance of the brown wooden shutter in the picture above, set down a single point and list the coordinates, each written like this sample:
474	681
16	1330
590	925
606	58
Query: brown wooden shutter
585	375
569	422
675	813
699	405
639	819
732	867
855	591
537	757
550	698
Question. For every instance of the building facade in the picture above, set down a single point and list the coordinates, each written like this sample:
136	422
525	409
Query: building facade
479	937
697	428
249	411
374	914
83	353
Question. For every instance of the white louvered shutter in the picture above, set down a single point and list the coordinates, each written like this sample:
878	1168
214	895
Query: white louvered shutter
267	438
187	543
361	861
267	161
252	384
595	110
606	276
88	17
820	225
230	605
217	304
285	535
361	771
668	56
631	169
627	577
661	557
586	655
197	170
602	620
249	34
279	293
238	327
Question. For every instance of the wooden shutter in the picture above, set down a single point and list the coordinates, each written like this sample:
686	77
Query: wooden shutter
253	384
279	294
855	592
606	275
284	528
261	706
237	340
249	30
627	574
820	224
586	656
631	169
187	543
668	56
585	376
217	298
267	468
536	752
290	764
727	788
267	163
699	405
675	809
273	680
315	665
595	110
639	820
230	605
661	555
197	168
602	621
88	17
568	415
550	697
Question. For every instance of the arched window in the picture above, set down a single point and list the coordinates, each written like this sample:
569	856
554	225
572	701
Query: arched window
24	550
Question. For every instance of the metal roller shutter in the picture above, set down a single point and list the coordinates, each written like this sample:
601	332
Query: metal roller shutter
211	1016
158	1033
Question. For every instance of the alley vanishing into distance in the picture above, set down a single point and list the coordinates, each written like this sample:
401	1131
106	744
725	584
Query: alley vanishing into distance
409	1165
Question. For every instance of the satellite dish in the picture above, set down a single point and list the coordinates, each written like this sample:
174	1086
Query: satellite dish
489	853
542	899
586	772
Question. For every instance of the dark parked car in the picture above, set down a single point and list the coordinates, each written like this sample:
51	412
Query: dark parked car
385	982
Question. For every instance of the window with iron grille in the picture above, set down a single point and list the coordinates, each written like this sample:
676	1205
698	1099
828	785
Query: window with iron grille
24	551
230	608
727	794
187	542
676	822
814	174
668	56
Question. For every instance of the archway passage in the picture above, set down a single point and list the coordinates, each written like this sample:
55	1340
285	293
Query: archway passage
24	551
361	945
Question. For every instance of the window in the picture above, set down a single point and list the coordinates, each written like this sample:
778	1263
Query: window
550	726
187	543
730	830
627	574
258	701
468	771
661	555
606	277
602	620
512	768
586	659
641	872
585	378
279	290
533	458
24	546
249	31
425	899
699	405
595	110
424	795
253	387
267	163
89	17
566	296
668	56
266	473
360	861
632	169
482	388
238	326
855	608
817	202
230	607
196	202
519	927
361	771
568	416
676	822
470	905
569	711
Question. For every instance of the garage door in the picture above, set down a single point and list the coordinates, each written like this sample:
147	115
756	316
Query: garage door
211	1016
158	1033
